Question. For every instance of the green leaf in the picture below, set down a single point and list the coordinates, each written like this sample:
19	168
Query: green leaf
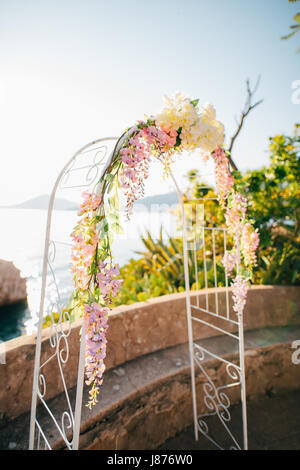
195	102
109	177
288	36
101	226
297	18
110	186
112	202
178	139
117	228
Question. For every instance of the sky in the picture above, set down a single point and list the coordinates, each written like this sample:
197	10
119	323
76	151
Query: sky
73	71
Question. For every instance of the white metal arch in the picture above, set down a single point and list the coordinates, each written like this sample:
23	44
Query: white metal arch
87	164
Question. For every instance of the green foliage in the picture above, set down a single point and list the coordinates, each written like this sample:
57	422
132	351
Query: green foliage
273	194
49	320
274	205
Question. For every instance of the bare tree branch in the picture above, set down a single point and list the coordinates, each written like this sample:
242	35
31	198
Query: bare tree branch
248	107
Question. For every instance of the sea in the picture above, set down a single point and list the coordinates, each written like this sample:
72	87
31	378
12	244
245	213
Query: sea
22	239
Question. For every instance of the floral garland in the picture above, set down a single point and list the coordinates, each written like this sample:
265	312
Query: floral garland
246	238
179	126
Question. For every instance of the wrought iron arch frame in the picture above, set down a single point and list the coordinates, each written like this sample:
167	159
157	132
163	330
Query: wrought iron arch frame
215	398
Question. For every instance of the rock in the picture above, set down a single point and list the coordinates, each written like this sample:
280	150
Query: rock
12	285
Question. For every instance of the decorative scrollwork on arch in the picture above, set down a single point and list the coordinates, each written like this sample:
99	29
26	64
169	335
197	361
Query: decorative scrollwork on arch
42	385
215	399
67	424
89	172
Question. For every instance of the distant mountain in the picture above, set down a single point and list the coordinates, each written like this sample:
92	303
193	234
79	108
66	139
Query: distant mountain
41	202
168	198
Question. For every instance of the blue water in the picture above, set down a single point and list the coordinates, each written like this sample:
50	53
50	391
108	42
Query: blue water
22	241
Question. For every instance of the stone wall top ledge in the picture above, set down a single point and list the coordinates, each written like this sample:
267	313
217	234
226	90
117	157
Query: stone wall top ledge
270	295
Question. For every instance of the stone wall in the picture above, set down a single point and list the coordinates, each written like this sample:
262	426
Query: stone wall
134	331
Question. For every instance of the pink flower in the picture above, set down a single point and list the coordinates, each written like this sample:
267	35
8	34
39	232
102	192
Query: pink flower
90	203
83	253
250	242
224	178
108	285
239	293
136	157
95	323
235	214
229	262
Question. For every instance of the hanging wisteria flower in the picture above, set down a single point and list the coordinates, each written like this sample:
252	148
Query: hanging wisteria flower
95	322
107	281
250	242
229	261
85	241
136	156
224	178
92	274
91	202
240	288
235	214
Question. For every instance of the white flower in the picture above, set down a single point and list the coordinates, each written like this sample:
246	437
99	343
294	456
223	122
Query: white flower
208	112
198	131
177	112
